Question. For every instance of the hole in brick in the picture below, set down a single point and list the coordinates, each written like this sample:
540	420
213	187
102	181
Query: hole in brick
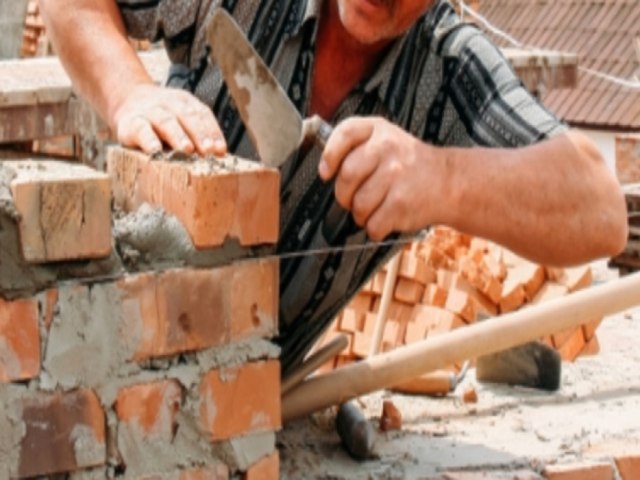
185	323
254	315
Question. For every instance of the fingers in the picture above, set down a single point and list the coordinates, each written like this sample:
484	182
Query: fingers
171	132
347	136
154	116
355	170
369	198
137	132
201	126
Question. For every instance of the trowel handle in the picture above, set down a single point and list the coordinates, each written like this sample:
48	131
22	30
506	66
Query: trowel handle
316	128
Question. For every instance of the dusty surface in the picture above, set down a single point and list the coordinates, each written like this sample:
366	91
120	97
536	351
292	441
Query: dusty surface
507	430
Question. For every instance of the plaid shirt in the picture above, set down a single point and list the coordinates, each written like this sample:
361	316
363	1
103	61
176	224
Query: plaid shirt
443	81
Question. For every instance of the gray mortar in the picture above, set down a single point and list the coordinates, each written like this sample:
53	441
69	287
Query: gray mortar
84	346
6	198
87	450
12	428
149	239
245	451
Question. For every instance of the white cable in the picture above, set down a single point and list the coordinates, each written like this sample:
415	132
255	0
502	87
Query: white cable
489	26
634	84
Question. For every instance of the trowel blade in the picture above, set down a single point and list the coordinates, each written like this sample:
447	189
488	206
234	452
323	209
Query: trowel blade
274	124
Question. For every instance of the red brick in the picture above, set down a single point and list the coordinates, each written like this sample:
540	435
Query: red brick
576	278
65	210
186	310
19	340
240	400
151	407
267	468
63	432
570	350
628	465
579	471
361	302
213	202
415	268
361	344
408	291
434	295
462	305
592	347
351	320
589	328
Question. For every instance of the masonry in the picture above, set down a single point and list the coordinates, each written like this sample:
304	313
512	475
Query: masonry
136	308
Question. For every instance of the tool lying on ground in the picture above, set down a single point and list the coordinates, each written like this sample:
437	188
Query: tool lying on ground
315	361
534	365
507	331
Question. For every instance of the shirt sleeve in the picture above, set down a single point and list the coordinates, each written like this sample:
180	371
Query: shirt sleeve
173	21
494	108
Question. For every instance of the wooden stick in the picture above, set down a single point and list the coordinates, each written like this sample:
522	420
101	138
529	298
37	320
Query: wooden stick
315	361
385	303
491	336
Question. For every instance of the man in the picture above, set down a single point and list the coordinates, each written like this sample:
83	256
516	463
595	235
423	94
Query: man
410	90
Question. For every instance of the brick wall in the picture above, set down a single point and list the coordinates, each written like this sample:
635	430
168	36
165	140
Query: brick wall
628	158
134	329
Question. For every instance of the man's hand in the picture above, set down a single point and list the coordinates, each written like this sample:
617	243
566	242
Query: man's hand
151	116
384	175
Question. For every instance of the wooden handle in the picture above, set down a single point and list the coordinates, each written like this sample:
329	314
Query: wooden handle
315	361
385	302
491	336
435	384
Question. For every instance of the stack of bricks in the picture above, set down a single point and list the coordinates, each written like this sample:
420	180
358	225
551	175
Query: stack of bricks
450	280
35	42
135	319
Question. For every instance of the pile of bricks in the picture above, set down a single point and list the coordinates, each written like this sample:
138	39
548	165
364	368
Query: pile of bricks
135	319
450	280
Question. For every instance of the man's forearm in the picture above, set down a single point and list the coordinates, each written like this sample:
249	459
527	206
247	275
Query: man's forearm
554	202
89	38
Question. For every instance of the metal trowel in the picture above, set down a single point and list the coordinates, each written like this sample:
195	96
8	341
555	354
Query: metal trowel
274	125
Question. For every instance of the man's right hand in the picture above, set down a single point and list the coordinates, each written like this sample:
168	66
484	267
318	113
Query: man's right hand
150	116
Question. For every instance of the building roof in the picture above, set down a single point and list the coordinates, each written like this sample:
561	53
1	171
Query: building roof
606	36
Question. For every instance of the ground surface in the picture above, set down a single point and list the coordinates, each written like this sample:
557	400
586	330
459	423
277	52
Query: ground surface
597	410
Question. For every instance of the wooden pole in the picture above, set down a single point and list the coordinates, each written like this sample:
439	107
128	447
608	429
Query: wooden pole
483	338
385	302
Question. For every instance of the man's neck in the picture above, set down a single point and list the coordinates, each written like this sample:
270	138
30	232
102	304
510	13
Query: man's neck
341	62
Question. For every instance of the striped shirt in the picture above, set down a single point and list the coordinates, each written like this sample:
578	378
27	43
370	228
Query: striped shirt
443	81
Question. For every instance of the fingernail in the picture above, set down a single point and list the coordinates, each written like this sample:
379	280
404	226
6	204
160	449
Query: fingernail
207	144
220	145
